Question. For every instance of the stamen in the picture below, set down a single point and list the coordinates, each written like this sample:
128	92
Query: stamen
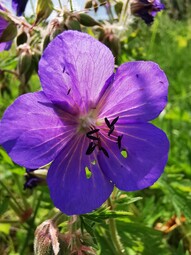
119	138
104	151
68	91
90	148
114	121
90	136
92	131
111	125
107	123
111	130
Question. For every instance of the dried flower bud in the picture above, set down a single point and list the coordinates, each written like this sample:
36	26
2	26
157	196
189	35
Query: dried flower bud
77	243
46	239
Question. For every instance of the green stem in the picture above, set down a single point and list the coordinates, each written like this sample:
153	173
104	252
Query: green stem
71	6
59	218
31	225
32	6
20	209
59	1
114	234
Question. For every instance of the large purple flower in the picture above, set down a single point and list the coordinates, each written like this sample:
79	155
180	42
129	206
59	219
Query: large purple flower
19	6
146	9
84	118
3	25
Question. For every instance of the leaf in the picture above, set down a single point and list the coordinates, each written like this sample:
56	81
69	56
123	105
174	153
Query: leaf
4	205
9	33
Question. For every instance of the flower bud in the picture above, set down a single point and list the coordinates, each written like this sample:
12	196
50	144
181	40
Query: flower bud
87	21
25	58
111	40
22	38
46	239
43	10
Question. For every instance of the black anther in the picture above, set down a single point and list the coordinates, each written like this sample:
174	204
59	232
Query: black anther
111	130
119	138
107	123
114	121
92	131
104	151
68	91
90	148
90	135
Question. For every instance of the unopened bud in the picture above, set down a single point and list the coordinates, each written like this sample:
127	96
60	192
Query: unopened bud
55	27
22	38
88	4
34	177
43	10
72	23
111	41
87	20
25	58
46	239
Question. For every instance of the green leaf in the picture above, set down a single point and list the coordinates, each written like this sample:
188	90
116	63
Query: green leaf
9	33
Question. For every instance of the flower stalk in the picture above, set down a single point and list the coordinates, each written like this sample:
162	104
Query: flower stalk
114	233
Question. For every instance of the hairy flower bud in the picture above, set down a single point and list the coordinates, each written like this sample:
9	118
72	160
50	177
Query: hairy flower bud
25	58
46	239
111	40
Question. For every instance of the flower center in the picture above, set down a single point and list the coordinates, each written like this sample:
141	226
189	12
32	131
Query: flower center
86	123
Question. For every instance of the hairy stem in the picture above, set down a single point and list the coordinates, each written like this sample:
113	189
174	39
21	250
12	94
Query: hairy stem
114	233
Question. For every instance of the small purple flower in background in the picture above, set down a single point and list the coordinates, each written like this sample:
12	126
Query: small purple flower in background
31	180
146	9
19	6
3	25
90	122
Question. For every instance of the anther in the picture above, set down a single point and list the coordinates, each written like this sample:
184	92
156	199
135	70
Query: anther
104	151
107	123
90	148
111	130
90	135
114	121
68	91
119	138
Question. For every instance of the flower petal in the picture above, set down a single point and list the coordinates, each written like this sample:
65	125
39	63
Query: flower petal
19	6
33	131
147	152
70	189
138	93
74	68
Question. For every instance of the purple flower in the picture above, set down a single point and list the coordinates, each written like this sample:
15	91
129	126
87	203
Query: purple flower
31	180
84	118
146	9
19	6
3	25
